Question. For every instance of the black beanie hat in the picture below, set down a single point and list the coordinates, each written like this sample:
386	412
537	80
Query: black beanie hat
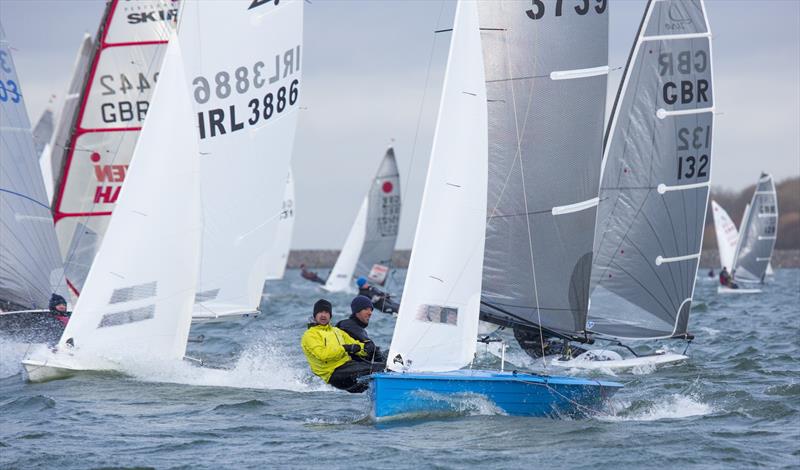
322	305
360	303
56	299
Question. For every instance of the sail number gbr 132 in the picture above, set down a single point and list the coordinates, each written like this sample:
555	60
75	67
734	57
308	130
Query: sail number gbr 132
245	80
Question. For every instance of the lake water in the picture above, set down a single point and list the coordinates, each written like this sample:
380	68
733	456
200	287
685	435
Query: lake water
735	403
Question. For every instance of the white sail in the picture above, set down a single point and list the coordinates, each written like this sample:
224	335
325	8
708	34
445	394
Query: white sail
279	253
370	244
246	84
113	103
758	233
727	235
138	297
341	275
438	320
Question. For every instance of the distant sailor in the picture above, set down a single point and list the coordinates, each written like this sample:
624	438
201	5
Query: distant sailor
537	344
726	279
58	308
310	275
330	352
380	300
356	326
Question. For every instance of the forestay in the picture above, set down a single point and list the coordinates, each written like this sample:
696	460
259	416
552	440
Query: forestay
438	320
759	232
138	298
654	186
369	246
115	99
245	74
727	235
546	71
279	253
30	264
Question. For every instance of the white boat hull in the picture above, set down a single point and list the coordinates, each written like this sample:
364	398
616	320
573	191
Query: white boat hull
741	290
223	317
588	360
43	371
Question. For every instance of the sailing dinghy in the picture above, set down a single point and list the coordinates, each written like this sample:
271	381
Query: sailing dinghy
654	188
437	327
370	244
757	238
727	240
30	263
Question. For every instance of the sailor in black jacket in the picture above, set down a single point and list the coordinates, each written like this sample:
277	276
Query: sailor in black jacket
356	326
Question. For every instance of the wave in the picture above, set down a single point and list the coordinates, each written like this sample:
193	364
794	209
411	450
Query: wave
675	406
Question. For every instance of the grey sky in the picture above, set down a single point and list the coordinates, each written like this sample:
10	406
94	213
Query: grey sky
366	63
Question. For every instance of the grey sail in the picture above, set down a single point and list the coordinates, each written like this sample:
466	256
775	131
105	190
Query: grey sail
30	263
42	131
546	66
69	109
655	177
383	219
758	234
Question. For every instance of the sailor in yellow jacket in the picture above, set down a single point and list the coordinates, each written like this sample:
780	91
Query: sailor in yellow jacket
333	355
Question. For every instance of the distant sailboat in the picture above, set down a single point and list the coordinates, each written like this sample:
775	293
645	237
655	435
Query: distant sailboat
279	252
758	234
370	244
30	263
654	187
727	240
437	326
52	158
91	162
143	288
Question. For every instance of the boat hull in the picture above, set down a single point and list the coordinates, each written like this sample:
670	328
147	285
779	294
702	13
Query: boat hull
585	361
517	394
741	290
224	317
44	371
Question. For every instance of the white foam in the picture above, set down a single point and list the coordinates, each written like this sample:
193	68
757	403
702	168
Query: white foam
11	355
675	406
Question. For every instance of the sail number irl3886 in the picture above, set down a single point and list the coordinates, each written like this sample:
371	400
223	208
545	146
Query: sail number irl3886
262	107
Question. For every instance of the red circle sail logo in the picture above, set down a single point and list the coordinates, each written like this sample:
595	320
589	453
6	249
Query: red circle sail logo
388	187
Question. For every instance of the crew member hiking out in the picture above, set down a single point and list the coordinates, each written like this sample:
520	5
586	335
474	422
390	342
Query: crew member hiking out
380	300
310	275
330	352
356	327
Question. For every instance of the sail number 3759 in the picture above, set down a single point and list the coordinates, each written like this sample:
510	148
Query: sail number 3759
581	7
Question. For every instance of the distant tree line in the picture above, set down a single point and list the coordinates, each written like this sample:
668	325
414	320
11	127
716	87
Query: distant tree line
734	203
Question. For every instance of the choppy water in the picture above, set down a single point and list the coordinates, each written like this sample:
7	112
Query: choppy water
735	403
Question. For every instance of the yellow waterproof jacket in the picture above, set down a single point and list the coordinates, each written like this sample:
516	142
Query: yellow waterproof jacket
322	345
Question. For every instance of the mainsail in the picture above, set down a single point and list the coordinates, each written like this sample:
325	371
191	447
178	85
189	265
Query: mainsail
279	253
370	244
113	104
655	177
43	131
758	234
438	320
246	85
30	263
546	71
727	235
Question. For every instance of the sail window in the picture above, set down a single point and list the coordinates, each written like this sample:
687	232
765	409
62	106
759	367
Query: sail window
128	316
127	294
438	314
206	295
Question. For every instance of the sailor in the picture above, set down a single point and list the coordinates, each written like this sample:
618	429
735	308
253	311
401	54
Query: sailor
711	272
356	326
380	300
310	275
726	279
537	344
58	308
330	352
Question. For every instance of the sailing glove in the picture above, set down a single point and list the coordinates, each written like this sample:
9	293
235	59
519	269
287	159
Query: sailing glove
352	348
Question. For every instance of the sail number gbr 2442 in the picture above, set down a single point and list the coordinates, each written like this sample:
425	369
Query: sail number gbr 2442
243	80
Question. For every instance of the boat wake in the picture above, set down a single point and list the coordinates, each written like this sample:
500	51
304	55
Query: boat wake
11	354
675	406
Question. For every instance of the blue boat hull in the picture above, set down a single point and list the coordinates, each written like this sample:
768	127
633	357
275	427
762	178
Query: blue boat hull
517	394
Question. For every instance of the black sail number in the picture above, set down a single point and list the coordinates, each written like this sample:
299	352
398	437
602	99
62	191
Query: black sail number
538	10
691	167
696	138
